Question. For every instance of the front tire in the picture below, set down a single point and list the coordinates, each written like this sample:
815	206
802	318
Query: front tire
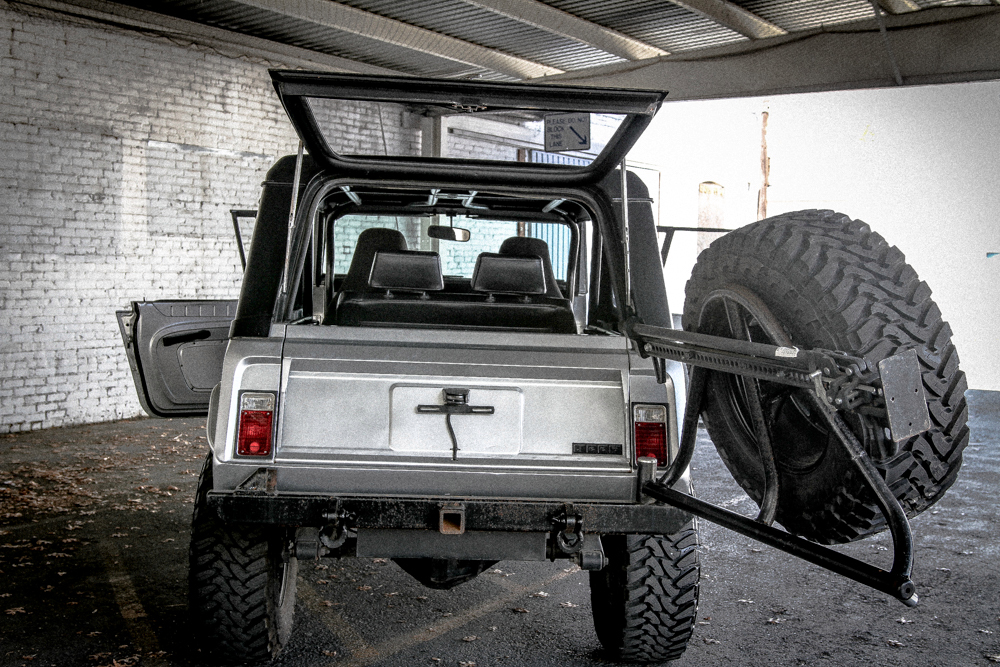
241	586
645	601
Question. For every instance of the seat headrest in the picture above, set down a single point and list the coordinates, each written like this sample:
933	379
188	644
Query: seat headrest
527	246
407	270
508	274
369	242
524	246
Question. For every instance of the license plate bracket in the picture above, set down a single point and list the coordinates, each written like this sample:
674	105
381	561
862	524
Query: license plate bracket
905	400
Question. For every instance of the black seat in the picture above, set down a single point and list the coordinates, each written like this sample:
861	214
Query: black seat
405	289
370	242
526	246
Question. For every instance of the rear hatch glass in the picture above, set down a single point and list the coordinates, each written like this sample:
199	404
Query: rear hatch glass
408	127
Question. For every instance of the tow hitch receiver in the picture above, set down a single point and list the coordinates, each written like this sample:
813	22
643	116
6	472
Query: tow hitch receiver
831	381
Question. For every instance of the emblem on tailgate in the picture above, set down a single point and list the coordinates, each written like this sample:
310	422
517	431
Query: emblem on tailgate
596	448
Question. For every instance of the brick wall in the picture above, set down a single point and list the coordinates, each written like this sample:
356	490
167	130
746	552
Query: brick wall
121	156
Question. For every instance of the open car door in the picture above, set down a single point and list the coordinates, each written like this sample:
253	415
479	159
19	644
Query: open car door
175	350
585	132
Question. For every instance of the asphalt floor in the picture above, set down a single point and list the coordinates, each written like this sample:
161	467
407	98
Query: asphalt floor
94	531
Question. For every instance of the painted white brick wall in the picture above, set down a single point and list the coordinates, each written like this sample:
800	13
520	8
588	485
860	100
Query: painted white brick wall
120	157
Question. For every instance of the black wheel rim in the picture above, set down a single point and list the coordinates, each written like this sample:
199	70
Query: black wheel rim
800	441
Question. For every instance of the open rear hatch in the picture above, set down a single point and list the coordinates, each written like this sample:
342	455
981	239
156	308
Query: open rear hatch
581	134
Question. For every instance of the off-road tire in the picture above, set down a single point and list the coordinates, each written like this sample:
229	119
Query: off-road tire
238	611
831	283
645	601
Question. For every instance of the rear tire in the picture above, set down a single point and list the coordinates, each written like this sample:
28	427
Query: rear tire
830	282
645	601
241	590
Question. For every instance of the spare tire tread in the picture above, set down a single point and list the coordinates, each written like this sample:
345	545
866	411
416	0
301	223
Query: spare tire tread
854	284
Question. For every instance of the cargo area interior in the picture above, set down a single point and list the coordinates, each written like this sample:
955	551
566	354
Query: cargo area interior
453	259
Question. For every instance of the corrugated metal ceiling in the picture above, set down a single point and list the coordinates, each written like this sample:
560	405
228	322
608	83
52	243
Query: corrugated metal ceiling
517	39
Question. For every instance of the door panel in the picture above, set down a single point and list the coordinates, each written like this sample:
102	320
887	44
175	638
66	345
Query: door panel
176	350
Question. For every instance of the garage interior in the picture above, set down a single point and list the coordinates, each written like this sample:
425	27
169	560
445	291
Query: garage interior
131	130
132	133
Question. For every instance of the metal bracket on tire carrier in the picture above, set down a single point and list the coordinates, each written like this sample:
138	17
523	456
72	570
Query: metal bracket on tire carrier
826	377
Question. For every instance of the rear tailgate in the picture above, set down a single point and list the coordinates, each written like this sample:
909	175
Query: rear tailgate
360	412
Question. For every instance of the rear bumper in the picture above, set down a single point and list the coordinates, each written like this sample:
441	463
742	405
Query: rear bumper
425	514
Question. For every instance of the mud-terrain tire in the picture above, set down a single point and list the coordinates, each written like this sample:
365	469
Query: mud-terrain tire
645	600
239	612
830	282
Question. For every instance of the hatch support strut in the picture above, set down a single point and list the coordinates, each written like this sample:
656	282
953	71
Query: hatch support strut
830	380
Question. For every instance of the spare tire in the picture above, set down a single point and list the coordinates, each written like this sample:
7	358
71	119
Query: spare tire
830	282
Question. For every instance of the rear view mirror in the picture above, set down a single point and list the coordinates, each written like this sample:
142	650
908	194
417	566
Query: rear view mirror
447	233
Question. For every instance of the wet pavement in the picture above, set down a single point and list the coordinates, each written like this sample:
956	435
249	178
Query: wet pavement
93	571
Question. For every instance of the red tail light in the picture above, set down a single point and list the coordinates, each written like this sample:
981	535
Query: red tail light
650	424
254	434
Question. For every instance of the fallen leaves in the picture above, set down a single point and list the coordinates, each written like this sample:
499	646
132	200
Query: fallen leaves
470	638
15	610
567	605
519	610
893	642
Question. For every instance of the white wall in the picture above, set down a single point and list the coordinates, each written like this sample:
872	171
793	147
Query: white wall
920	165
120	157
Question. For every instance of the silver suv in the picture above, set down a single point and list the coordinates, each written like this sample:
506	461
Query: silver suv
451	361
426	363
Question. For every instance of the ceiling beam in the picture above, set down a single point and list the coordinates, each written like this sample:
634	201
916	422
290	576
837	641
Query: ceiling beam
227	42
932	46
898	6
564	24
390	31
733	17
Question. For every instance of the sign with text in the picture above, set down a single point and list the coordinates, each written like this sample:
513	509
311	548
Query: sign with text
567	132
